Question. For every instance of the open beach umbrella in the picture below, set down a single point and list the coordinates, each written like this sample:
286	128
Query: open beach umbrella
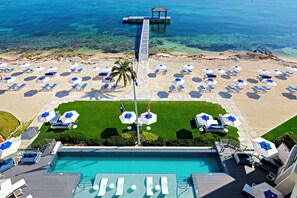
264	190
46	116
69	116
161	67
74	65
128	117
42	79
39	69
75	80
237	68
9	79
276	72
95	69
269	82
210	81
179	81
291	68
52	68
28	70
264	147
188	66
220	71
207	71
106	69
263	71
3	64
148	118
231	120
9	147
240	82
204	119
25	65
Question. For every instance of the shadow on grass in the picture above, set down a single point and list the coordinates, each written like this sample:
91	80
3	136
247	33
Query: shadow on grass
108	132
184	134
193	124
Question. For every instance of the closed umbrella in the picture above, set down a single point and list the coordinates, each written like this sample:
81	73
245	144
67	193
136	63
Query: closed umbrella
42	79
9	147
188	66
220	71
161	67
179	81
46	116
207	71
269	82
148	118
210	81
9	79
291	68
106	69
69	116
264	147
128	117
237	68
231	120
240	82
75	80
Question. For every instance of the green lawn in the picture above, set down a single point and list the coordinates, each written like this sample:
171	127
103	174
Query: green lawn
101	118
8	123
290	125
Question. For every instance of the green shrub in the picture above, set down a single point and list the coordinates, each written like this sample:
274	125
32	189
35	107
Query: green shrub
72	138
94	142
289	138
150	139
131	135
118	141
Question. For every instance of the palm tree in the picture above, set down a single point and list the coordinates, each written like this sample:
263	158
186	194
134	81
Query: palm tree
123	71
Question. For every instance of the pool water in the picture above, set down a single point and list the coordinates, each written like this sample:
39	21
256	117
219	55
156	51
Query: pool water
180	164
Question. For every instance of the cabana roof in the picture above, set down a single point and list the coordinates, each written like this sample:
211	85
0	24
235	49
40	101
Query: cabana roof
159	10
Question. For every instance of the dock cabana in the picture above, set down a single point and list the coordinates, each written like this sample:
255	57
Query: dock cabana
159	11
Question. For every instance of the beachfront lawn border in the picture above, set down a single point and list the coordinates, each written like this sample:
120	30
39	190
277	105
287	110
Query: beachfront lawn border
99	120
8	123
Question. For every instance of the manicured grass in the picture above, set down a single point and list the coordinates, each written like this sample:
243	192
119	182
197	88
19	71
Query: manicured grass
101	118
8	123
290	125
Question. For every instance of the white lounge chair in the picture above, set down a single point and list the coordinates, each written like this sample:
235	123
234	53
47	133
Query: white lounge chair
103	185
164	183
19	184
149	186
120	186
248	190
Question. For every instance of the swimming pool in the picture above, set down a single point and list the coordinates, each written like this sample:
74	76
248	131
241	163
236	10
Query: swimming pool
179	162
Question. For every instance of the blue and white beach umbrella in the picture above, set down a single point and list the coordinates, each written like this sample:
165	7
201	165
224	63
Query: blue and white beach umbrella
72	65
161	67
240	82
264	147
3	64
95	69
69	116
205	119
52	69
231	120
128	117
237	68
46	116
276	72
25	65
9	79
264	190
148	118
75	80
263	71
42	79
179	81
220	71
207	71
269	82
188	66
210	81
9	147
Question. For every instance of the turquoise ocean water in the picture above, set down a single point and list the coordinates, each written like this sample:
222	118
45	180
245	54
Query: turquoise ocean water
90	166
210	25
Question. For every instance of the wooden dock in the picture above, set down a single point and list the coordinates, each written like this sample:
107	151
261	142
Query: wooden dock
152	20
143	53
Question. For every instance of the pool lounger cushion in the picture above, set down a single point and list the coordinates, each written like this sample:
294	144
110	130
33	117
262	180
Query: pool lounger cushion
268	165
6	164
243	158
30	157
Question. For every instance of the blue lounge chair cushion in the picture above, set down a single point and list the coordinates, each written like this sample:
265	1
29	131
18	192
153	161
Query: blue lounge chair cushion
157	71
265	88
256	88
211	75
55	119
211	87
183	71
53	86
238	88
30	157
61	125
106	86
291	88
189	71
75	86
103	74
22	86
268	165
6	164
73	70
181	87
172	86
230	88
45	86
215	128
84	85
114	86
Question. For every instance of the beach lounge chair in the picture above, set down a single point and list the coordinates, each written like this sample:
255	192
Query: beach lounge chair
106	86
149	186
229	73
55	119
183	71
189	71
201	88
257	89
265	89
30	158
238	88
50	74
103	74
157	71
53	86
164	185
73	70
210	76
61	126
231	89
44	87
215	128
235	73
20	87
181	87
103	185
292	89
243	158
172	88
287	73
11	87
83	86
165	71
211	88
6	164
248	190
79	70
75	86
120	186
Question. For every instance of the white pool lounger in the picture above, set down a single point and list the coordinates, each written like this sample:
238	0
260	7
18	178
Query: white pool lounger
103	185
149	186
120	186
164	183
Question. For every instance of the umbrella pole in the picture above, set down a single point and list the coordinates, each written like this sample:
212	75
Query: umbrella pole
136	110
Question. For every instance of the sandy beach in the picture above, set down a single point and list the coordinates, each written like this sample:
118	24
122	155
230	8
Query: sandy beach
261	111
